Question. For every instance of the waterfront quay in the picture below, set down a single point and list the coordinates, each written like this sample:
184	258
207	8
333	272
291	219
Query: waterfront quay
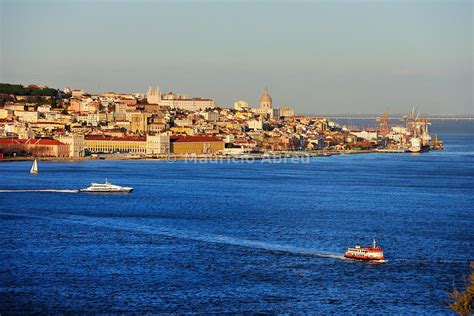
294	156
72	124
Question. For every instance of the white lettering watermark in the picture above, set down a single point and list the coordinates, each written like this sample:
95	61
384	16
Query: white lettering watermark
192	158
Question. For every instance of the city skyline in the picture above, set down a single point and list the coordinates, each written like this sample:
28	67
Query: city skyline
228	157
317	57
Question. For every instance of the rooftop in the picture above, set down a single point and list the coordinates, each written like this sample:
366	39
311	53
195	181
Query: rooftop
31	141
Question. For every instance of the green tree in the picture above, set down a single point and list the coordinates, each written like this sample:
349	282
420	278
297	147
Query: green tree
17	89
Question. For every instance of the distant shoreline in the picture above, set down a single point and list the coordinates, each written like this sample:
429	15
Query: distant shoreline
171	158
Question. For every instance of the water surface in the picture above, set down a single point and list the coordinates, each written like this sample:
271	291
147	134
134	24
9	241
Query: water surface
239	237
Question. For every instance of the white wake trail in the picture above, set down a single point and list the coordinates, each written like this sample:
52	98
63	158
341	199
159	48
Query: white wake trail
40	190
208	238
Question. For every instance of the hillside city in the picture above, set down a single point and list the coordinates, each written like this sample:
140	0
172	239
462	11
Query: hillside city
37	121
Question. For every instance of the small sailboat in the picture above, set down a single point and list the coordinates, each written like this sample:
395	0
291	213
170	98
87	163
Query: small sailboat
34	167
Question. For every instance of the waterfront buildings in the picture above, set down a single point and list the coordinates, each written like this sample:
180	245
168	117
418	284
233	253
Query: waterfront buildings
158	144
155	124
196	145
14	147
110	144
76	144
366	134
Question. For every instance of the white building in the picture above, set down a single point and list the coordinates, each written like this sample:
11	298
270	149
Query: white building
178	101
286	111
229	138
183	122
44	108
153	97
25	116
76	144
158	144
241	105
121	108
399	130
366	135
194	104
89	119
255	124
78	93
210	116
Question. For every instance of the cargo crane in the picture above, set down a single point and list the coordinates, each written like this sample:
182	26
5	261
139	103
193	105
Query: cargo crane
417	130
383	124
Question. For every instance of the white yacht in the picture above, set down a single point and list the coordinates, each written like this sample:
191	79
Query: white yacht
106	187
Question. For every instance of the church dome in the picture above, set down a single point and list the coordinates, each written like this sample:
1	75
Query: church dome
265	97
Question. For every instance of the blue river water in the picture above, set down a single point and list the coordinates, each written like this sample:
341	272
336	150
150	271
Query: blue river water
240	237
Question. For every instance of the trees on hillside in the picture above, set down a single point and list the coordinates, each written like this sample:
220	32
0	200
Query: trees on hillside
17	89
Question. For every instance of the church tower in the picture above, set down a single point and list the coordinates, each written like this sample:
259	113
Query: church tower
266	101
153	97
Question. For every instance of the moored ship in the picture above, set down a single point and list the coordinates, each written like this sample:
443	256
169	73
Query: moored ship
373	253
415	145
106	187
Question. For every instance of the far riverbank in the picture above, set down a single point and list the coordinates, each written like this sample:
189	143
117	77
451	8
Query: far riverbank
323	153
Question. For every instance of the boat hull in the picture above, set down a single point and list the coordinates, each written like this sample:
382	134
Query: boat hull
365	258
373	254
123	191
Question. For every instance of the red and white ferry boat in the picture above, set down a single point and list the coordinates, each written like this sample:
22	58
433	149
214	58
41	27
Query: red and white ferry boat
373	253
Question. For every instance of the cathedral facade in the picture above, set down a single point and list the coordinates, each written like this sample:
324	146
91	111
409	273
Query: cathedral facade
153	97
266	101
266	107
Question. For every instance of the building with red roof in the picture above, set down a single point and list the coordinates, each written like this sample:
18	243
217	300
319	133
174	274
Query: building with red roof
110	144
41	147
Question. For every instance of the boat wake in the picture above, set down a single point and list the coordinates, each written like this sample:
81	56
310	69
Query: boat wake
217	239
179	234
40	190
264	245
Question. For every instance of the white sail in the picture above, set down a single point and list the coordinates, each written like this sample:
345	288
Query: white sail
34	168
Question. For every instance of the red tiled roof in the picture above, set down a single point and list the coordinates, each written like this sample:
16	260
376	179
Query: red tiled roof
30	141
50	123
194	139
188	99
201	99
116	139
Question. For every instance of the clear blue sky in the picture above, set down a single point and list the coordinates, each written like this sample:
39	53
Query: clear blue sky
317	56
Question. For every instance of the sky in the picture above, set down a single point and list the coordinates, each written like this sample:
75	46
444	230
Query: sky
322	57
